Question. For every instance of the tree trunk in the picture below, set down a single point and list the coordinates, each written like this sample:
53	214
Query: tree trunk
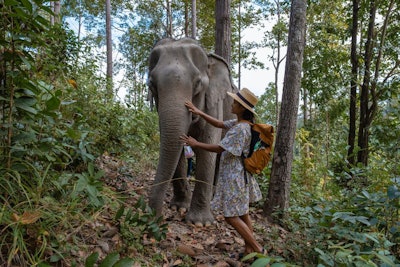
278	63
223	29
363	130
279	187
305	107
375	93
370	94
187	20
240	46
56	7
110	94
169	19
353	85
194	19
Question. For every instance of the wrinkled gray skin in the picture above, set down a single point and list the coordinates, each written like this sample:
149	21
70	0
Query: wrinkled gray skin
181	70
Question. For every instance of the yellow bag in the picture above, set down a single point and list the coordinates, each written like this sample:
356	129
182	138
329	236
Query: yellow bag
262	139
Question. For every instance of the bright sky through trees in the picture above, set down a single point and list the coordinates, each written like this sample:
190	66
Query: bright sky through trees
258	79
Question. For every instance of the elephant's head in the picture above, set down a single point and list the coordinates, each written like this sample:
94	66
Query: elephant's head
181	70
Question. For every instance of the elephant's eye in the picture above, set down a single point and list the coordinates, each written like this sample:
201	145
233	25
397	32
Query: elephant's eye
196	86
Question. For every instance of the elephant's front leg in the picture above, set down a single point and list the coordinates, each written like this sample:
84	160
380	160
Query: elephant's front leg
182	193
200	211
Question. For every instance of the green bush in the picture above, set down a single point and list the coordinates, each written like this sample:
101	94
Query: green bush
352	230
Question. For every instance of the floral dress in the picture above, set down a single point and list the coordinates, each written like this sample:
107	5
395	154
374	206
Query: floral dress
232	194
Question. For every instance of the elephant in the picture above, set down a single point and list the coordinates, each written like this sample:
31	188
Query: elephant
181	70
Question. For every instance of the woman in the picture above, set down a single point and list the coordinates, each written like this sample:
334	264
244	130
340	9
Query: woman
233	194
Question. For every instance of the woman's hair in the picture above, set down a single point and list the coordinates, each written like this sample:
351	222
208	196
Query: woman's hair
248	115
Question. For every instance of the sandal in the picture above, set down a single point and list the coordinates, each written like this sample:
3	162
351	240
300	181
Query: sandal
236	256
264	252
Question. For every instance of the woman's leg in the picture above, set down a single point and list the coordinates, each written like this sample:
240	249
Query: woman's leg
245	232
247	221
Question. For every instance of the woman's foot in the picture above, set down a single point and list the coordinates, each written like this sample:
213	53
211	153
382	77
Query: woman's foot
248	250
237	256
240	255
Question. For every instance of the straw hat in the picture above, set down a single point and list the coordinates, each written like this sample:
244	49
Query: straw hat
246	98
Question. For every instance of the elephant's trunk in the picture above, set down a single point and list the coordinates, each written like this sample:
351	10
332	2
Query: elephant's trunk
174	121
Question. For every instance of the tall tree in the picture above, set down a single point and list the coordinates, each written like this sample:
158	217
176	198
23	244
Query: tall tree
353	84
278	59
371	91
56	7
169	19
110	92
276	40
279	187
223	29
194	19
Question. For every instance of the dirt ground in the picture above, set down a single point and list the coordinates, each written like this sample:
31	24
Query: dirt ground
185	244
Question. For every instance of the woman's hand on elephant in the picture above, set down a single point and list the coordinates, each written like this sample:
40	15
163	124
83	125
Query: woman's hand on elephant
192	108
188	140
213	121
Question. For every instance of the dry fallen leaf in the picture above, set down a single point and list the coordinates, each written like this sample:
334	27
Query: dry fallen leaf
222	264
177	262
210	240
27	217
238	240
112	230
222	246
14	217
186	250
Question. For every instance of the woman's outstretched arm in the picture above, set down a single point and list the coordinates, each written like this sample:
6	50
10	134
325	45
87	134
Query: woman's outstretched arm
211	120
190	141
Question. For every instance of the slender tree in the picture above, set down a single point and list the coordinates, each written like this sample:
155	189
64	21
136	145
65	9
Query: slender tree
279	187
223	29
353	84
109	52
169	19
371	91
56	8
240	45
278	32
194	19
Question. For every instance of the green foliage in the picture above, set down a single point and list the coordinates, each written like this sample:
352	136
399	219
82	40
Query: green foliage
37	211
122	131
351	230
143	220
266	106
53	124
112	260
89	182
384	144
260	260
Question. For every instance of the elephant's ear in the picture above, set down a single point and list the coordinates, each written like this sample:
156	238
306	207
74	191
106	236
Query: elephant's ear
152	91
220	80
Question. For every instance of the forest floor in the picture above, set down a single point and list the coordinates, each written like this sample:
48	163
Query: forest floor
185	244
